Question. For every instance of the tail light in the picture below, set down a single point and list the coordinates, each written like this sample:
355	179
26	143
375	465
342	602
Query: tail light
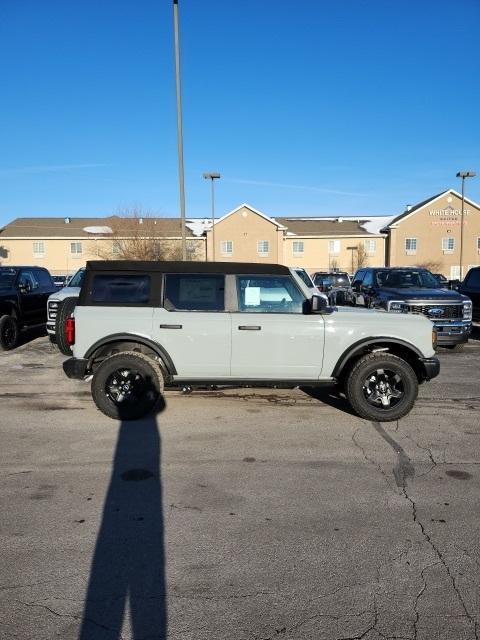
70	330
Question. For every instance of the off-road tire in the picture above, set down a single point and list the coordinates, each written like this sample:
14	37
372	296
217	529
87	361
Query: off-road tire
64	311
141	403
9	333
367	365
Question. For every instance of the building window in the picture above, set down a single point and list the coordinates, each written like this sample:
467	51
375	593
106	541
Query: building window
410	246
334	247
448	245
455	272
38	249
263	247
298	247
76	248
478	245
116	248
370	246
226	247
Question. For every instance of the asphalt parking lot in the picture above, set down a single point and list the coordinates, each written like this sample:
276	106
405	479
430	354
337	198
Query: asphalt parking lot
237	514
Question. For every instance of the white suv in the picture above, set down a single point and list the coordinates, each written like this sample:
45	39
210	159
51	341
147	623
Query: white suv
140	326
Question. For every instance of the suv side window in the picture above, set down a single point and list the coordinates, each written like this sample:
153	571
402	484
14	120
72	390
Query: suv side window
268	294
368	279
120	289
194	292
44	279
26	278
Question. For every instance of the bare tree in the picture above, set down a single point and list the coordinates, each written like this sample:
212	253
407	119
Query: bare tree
137	236
435	266
361	256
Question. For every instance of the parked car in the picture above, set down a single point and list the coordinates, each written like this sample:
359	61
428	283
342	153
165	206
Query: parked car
471	287
60	281
414	290
336	285
308	281
140	326
59	306
23	297
442	280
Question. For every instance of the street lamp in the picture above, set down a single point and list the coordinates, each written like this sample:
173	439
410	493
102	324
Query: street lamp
212	177
181	177
463	175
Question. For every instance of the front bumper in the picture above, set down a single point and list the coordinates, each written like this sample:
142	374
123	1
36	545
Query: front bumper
75	368
431	367
452	332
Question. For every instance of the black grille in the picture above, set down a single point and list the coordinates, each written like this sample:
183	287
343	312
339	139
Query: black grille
450	311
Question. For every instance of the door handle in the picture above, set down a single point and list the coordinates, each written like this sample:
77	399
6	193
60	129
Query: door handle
249	327
170	326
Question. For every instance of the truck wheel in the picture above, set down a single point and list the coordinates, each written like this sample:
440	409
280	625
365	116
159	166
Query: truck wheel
127	386
381	387
64	311
9	333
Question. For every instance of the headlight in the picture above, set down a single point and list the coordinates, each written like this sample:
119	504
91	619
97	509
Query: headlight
397	306
467	310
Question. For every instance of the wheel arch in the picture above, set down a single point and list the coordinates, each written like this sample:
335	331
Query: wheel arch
130	342
395	346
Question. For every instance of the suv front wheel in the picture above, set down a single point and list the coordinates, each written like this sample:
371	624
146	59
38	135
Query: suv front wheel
381	387
127	386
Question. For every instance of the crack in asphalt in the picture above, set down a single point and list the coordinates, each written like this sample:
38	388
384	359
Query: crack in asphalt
117	633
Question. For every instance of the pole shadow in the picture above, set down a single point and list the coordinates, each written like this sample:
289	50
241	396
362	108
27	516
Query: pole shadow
128	564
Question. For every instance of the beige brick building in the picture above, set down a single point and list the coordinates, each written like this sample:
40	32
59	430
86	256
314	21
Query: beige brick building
428	234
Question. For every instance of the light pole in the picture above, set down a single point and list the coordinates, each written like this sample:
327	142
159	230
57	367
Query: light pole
463	175
212	177
181	177
352	249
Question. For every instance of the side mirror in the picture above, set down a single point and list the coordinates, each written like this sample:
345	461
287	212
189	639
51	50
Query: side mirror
317	304
24	287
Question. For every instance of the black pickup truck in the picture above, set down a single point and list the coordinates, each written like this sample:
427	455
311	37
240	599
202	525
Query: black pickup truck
415	290
23	301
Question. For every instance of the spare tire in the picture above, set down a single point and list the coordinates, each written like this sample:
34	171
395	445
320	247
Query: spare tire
64	311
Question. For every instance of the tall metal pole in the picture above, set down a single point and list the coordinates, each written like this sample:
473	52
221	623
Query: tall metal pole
213	220
461	229
181	177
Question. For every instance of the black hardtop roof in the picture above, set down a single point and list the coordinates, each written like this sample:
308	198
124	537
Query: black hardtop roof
170	266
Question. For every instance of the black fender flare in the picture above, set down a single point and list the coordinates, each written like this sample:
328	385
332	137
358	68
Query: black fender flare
359	347
133	337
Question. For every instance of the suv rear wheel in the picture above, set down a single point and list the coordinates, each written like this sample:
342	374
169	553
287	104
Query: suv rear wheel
127	386
381	387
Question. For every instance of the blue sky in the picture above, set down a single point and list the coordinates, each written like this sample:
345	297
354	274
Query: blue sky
305	108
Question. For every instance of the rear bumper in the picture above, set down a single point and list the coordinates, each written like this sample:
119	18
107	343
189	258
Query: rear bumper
75	368
431	367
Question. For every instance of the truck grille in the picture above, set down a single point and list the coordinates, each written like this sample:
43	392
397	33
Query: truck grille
449	311
52	310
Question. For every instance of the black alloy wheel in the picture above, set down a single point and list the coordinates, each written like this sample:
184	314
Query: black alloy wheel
9	333
127	385
381	387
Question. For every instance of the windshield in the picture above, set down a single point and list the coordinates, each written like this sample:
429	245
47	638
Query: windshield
301	273
7	277
333	280
403	279
77	279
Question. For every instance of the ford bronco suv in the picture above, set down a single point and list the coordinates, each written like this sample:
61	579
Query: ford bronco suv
415	290
140	326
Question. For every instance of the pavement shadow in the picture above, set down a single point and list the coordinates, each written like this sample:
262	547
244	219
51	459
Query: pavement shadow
127	575
331	396
28	335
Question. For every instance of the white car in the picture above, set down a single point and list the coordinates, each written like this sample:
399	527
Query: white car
59	306
139	326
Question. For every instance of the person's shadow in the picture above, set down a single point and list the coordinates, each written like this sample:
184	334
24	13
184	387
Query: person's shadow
128	564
